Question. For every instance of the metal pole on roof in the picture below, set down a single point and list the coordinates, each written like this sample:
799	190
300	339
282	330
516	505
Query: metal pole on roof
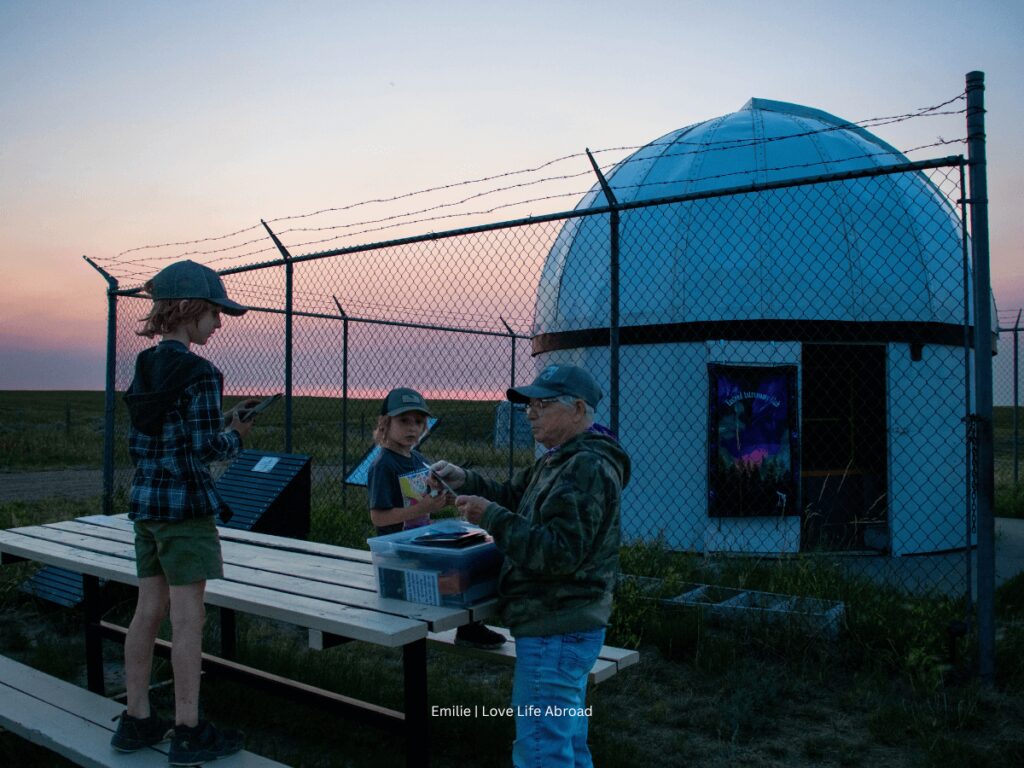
613	298
109	404
288	320
982	371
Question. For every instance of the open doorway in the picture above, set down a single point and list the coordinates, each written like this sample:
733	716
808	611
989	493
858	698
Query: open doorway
844	449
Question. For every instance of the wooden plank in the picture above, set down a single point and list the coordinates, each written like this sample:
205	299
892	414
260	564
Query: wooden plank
602	670
484	610
65	733
51	553
610	660
284	572
250	537
315	567
126	535
330	570
359	624
76	723
622	657
438	618
118	549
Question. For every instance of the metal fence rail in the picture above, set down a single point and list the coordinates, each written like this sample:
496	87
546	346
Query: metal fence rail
791	365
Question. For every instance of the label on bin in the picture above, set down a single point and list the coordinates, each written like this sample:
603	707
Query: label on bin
421	587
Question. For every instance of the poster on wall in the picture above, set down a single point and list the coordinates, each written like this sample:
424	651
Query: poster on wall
753	443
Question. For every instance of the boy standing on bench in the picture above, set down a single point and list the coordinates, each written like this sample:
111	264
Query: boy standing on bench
177	430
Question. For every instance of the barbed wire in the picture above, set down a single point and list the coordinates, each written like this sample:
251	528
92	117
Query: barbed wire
402	219
235	252
573	194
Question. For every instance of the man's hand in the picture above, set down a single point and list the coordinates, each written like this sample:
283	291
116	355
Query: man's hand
451	474
471	508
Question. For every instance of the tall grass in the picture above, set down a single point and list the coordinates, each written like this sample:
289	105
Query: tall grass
884	692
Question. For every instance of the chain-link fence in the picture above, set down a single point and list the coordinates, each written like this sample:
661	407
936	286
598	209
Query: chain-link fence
789	363
792	374
1008	416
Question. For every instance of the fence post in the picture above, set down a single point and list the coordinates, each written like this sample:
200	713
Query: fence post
613	298
109	403
344	402
288	270
970	521
982	371
511	405
1016	404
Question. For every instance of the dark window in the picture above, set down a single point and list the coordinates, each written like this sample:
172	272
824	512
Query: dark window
844	456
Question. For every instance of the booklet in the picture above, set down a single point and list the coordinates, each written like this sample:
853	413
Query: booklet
414	486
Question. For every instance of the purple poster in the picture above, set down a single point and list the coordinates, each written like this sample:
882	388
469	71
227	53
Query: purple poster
753	441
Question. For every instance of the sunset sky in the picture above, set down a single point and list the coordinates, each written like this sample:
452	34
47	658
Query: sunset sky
124	124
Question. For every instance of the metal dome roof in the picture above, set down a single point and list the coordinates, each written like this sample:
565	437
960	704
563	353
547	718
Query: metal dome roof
884	248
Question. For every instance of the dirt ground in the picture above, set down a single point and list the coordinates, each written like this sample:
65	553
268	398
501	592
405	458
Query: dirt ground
760	714
66	483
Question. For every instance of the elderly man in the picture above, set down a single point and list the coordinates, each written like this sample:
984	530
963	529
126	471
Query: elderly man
558	525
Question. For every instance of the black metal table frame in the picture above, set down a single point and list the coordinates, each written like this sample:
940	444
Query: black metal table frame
413	722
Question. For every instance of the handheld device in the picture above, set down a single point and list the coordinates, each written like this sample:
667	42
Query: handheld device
261	406
442	482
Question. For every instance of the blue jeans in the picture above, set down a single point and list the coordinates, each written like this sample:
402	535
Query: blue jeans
549	692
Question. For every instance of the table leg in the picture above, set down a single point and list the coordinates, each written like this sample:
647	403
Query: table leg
228	634
93	635
417	727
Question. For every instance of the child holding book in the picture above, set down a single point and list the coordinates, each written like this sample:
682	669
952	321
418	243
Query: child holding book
399	496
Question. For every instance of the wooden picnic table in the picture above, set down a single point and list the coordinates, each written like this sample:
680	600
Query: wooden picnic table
330	591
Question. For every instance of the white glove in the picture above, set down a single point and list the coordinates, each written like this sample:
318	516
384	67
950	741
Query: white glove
450	474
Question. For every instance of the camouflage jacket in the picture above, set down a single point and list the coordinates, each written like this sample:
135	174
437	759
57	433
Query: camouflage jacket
558	526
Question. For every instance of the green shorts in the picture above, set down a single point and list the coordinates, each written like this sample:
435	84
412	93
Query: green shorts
182	551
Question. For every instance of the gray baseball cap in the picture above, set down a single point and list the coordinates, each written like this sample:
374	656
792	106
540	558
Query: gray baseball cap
401	400
189	280
557	380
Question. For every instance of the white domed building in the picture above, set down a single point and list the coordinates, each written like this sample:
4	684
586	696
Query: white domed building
850	293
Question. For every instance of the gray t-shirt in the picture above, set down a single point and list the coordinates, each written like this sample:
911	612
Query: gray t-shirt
384	482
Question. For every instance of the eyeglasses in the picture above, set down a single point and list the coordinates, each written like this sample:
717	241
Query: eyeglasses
539	406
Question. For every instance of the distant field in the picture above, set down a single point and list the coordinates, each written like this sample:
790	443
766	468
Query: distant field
60	430
50	430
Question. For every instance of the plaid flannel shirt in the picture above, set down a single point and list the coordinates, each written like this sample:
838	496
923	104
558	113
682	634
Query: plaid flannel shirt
172	479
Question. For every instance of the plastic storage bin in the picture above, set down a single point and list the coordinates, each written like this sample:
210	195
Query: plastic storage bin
428	564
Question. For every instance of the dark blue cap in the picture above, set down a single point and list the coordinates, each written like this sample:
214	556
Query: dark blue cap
189	280
557	380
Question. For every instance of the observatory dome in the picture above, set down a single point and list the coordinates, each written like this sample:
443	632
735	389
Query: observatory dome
885	248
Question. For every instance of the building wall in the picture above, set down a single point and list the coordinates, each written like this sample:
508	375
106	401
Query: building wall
927	493
663	425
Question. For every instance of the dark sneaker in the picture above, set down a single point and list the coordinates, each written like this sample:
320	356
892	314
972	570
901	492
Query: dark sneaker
195	746
134	733
477	635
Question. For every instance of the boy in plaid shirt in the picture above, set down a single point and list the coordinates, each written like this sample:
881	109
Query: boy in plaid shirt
177	430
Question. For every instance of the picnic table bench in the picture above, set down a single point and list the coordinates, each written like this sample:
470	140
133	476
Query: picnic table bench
77	724
328	590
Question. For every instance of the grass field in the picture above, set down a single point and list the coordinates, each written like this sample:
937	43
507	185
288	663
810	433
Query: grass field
887	692
57	430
